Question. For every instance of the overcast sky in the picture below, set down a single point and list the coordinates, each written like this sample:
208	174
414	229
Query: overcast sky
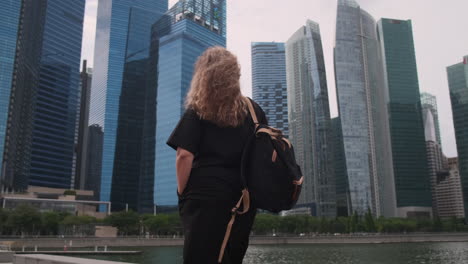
439	28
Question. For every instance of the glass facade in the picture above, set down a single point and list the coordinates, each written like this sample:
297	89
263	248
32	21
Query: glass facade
362	104
187	30
94	160
339	164
429	101
82	126
309	118
412	179
123	99
435	158
24	39
269	82
458	85
10	13
53	145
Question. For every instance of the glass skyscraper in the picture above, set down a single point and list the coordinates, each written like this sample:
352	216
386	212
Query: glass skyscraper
40	92
187	30
309	118
82	126
435	158
458	85
94	160
429	101
20	53
123	99
57	96
269	82
413	191
362	105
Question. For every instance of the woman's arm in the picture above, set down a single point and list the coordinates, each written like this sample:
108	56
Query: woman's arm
184	161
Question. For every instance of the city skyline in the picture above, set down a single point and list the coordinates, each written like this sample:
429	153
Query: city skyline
431	64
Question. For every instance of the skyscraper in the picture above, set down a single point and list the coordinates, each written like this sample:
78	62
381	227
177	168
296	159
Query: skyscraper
20	54
94	160
362	105
269	82
188	29
39	145
449	192
435	158
429	101
82	133
54	123
309	118
122	98
412	179
458	85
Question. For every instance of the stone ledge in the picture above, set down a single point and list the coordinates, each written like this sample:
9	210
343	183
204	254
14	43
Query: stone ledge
50	259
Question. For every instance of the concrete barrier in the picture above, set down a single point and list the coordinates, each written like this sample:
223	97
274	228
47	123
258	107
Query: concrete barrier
49	259
30	243
6	256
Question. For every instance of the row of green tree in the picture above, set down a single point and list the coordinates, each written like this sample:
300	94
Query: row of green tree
27	221
267	224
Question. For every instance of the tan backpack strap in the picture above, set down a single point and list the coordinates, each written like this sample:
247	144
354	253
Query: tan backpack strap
245	201
252	111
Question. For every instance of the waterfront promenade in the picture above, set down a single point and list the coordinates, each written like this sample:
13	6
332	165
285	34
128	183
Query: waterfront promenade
31	244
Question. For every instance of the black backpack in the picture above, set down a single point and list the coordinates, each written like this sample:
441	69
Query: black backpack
269	170
271	177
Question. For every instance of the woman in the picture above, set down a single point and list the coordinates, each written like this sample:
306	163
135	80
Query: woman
209	140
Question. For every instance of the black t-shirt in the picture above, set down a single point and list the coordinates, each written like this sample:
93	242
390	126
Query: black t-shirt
215	170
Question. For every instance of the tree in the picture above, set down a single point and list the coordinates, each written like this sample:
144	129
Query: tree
354	221
437	224
369	222
50	223
324	226
69	192
25	220
265	224
127	223
3	221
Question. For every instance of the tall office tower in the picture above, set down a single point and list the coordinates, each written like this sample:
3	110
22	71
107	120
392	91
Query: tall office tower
269	82
120	98
413	188
42	99
339	163
435	158
458	85
362	105
82	132
93	160
187	30
309	118
20	53
54	124
449	192
429	101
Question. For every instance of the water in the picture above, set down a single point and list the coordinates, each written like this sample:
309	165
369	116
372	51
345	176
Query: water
423	253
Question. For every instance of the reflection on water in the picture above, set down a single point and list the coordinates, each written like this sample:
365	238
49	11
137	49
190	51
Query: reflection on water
424	253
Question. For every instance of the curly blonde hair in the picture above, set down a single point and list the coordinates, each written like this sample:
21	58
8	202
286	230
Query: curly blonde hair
215	93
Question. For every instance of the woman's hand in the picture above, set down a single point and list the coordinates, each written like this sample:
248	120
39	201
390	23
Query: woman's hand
184	161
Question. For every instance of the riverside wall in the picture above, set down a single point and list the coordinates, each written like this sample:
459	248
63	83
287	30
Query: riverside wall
30	244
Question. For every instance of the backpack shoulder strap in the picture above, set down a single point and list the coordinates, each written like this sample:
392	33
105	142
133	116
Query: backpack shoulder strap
252	111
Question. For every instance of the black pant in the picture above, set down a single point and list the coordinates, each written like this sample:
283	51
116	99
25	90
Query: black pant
205	223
